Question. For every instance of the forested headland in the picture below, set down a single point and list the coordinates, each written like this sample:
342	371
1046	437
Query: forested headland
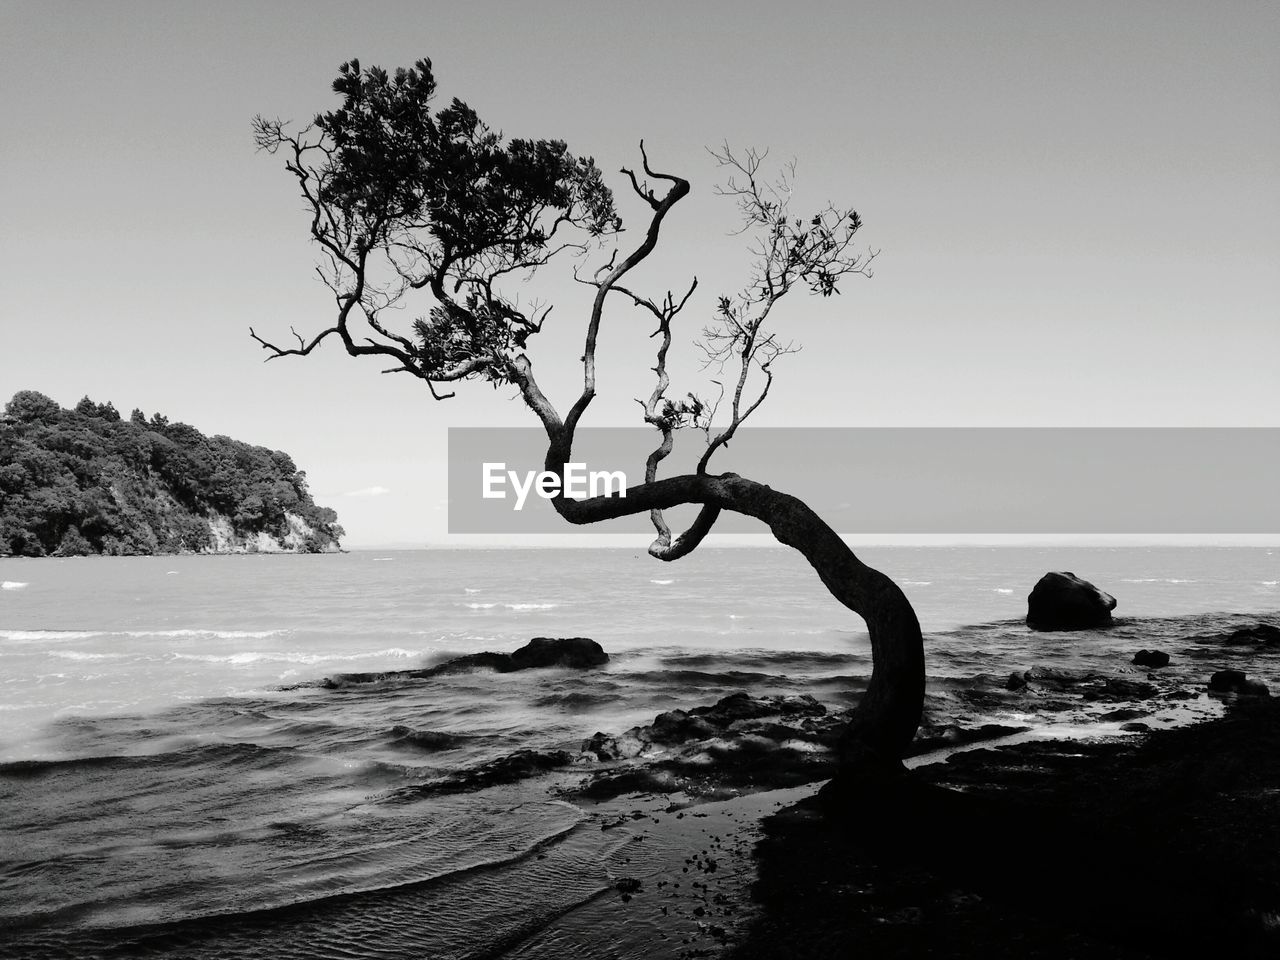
88	481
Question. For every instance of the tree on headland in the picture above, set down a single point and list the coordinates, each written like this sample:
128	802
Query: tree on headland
407	203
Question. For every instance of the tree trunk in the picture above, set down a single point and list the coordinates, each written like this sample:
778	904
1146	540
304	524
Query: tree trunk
885	721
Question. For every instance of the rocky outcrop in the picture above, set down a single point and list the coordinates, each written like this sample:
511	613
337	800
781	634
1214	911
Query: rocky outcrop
575	653
1151	658
735	715
1082	683
1063	601
1234	681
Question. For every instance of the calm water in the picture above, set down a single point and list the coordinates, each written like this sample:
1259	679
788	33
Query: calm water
163	757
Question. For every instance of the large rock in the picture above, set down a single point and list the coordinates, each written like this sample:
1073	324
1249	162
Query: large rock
1063	601
1151	658
576	652
1234	681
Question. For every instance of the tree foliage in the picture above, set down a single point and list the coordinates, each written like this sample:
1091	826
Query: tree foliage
83	481
403	197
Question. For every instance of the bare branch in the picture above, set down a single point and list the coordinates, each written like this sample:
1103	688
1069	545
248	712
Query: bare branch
679	189
787	250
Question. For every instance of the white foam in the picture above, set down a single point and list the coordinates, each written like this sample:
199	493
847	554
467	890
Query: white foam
36	636
1001	590
470	589
918	583
13	585
662	583
479	606
531	606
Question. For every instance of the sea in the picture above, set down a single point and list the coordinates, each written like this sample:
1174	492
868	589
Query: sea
175	780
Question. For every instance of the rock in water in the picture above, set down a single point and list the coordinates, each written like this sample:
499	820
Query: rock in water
1062	601
1151	658
1234	681
577	652
1263	634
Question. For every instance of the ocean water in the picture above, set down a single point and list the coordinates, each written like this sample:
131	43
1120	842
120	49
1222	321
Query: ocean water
172	776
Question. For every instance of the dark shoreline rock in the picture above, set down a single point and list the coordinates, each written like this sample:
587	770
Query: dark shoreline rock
1151	658
1063	601
737	714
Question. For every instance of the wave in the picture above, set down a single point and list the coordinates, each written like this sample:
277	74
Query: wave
707	678
216	634
185	755
776	659
296	656
662	583
31	636
1156	580
427	739
576	700
350	911
509	606
1001	590
13	585
34	635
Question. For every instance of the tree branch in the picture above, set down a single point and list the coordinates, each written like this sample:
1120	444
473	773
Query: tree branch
679	189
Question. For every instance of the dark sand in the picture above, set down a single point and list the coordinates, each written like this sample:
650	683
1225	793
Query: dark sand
1163	845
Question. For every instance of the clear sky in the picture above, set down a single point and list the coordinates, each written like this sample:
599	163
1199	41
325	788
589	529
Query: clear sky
1075	204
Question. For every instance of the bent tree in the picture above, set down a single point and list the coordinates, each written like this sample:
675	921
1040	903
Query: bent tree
408	203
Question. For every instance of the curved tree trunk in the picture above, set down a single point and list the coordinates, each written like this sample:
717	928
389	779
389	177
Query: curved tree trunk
888	714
